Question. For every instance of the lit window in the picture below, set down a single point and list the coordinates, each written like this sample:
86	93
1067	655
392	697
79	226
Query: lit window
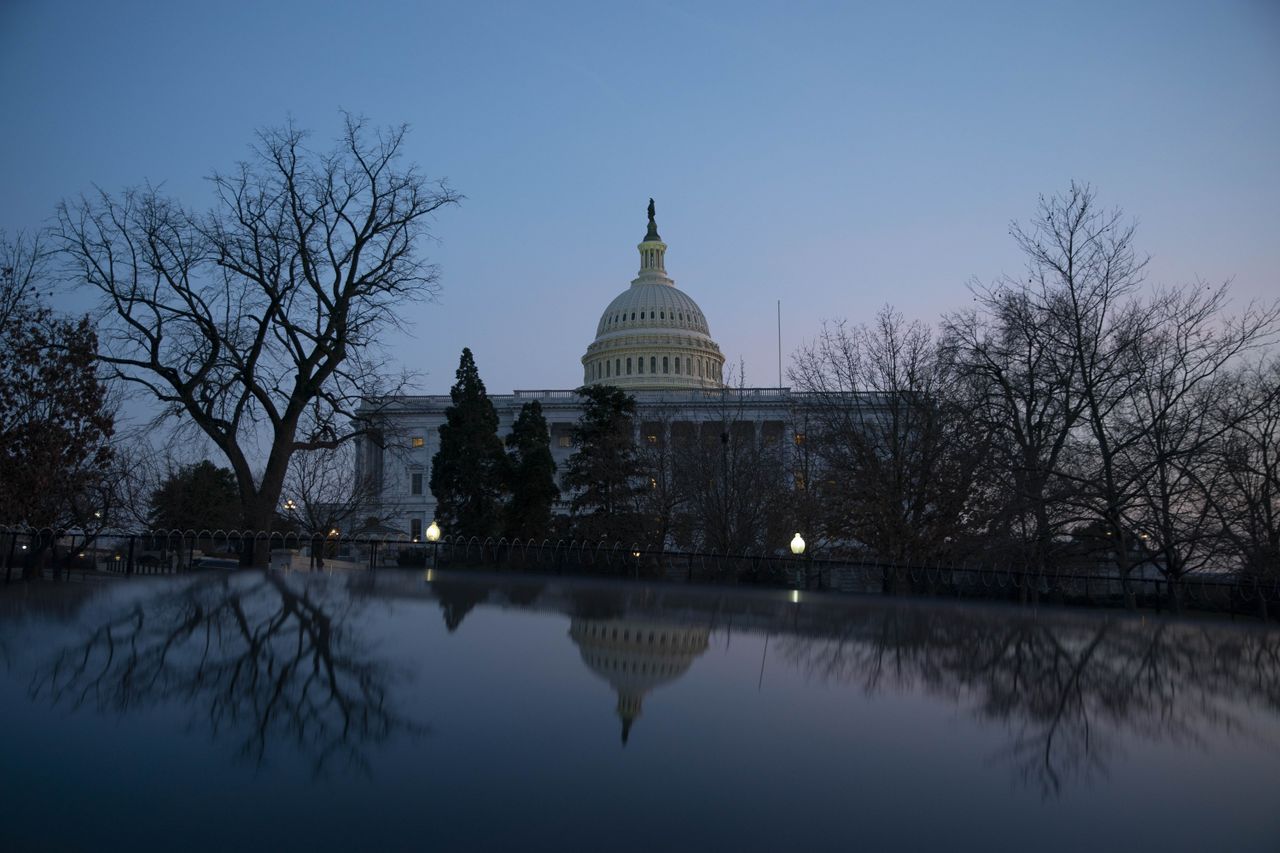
566	441
799	439
418	441
653	439
653	483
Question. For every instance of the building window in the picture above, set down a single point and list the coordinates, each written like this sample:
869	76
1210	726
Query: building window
799	439
640	364
418	441
628	365
566	441
617	367
606	369
653	364
415	529
641	315
415	483
664	365
677	364
633	316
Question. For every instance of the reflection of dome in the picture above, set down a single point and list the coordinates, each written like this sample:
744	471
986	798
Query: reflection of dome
653	335
636	657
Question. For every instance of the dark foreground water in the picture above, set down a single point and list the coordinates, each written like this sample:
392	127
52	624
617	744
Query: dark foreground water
449	712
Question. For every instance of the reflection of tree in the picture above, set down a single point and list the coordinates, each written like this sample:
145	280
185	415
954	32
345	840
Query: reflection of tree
1066	688
261	656
457	598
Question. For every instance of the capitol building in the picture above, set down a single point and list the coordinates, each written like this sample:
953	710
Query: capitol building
652	341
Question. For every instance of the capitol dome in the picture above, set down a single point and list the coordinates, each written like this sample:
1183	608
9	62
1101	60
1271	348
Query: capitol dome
635	657
653	335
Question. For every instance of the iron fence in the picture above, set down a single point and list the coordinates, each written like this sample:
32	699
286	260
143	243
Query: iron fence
28	552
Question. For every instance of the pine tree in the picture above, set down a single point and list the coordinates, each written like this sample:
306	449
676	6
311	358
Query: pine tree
202	496
532	473
468	471
603	473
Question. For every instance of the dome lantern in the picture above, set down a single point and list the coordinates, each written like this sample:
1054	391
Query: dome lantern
653	252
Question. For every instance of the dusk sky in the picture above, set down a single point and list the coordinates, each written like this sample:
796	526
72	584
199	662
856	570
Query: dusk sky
835	156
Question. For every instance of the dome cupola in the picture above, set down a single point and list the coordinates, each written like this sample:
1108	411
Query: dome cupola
653	335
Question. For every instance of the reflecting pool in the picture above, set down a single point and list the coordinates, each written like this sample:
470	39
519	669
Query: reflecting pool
450	711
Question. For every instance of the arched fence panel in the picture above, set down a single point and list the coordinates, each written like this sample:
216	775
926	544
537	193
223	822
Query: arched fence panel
32	553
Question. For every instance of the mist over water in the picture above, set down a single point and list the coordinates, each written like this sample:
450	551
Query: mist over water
442	710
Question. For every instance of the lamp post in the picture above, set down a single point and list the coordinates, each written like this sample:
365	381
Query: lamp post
433	536
797	548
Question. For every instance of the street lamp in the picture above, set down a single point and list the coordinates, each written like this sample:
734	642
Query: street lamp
433	536
797	548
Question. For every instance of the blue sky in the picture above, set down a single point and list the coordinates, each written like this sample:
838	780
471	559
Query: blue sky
834	156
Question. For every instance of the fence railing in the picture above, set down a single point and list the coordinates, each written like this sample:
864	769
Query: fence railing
27	552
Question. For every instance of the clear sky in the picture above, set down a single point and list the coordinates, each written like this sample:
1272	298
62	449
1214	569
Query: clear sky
834	156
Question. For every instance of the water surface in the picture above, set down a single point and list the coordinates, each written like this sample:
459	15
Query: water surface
454	712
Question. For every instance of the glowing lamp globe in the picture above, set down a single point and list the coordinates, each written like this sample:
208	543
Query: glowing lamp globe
797	545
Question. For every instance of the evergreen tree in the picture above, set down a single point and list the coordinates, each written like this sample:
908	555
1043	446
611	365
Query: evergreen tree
467	472
603	472
532	474
197	497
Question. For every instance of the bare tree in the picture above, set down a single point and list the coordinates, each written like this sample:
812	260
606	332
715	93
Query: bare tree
1248	508
903	454
661	499
1172	413
1083	266
263	314
730	474
23	268
1024	395
323	494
